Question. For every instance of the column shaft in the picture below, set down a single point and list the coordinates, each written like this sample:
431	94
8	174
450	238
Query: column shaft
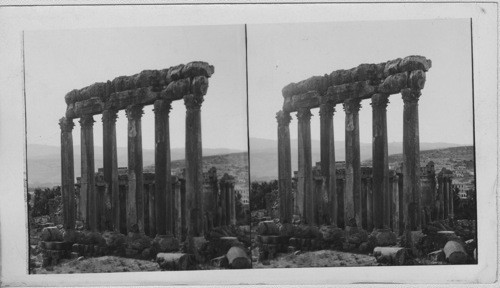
380	162
411	161
305	182
194	166
284	167
352	193
440	197
452	193
88	187
68	175
135	193
110	167
327	150
395	204
163	186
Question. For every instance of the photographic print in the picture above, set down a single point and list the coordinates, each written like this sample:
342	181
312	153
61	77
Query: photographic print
284	143
362	144
143	172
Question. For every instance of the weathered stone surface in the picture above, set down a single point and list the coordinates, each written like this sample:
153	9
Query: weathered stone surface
317	84
391	67
220	262
413	240
332	234
267	228
173	261
165	243
455	253
382	238
51	234
238	258
360	89
153	79
138	241
197	68
391	255
414	62
307	231
114	240
416	80
437	256
393	83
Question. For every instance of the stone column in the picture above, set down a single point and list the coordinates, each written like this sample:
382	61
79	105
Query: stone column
110	167
135	193
152	210
68	176
328	174
305	196
452	193
232	198
163	186
369	204
223	204
194	165
380	157
395	203
352	193
411	161
440	206
88	188
177	208
284	167
446	198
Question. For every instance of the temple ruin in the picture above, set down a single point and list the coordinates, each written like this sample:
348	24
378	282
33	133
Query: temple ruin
397	200
150	203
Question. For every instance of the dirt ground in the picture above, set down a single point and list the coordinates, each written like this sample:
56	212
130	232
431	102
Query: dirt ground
102	264
322	258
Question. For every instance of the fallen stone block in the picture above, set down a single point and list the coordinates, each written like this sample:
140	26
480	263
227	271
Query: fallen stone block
114	240
437	256
391	255
238	258
173	261
51	234
267	228
455	252
165	243
382	238
220	262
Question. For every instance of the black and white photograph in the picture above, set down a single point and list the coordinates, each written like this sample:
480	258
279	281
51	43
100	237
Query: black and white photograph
148	166
248	143
368	166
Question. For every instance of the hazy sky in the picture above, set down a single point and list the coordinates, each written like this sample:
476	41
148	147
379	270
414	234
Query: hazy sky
281	54
60	61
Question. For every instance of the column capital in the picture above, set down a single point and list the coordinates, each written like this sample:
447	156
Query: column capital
66	124
162	106
326	109
134	112
410	95
86	121
352	105
283	118
193	101
304	114
380	101
109	116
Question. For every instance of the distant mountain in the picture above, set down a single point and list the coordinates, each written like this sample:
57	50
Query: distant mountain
44	161
264	158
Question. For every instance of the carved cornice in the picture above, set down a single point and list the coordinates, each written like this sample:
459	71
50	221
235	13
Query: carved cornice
109	116
380	101
410	95
304	114
134	112
87	121
193	101
326	110
162	106
352	105
66	124
283	118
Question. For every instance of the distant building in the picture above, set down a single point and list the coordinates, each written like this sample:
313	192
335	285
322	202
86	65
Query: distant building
464	186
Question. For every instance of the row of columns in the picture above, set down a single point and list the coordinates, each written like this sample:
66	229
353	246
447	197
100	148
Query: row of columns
136	208
352	202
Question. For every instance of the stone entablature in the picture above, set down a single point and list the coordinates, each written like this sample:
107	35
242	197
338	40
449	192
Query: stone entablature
142	89
360	82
